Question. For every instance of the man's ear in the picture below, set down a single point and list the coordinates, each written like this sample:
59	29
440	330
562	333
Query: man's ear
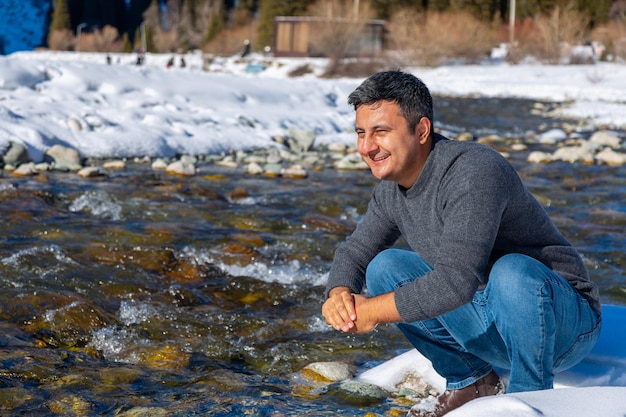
423	130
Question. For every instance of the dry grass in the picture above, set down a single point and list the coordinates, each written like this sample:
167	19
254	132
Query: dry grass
432	38
551	37
61	40
104	40
613	37
230	41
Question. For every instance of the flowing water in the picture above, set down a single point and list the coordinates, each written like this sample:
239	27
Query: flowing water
147	292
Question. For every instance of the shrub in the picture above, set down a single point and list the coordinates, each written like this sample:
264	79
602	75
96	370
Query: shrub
61	40
554	35
432	38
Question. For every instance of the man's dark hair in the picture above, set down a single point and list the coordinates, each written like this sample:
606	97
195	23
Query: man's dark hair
408	91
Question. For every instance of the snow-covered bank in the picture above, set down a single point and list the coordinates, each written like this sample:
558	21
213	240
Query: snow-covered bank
124	110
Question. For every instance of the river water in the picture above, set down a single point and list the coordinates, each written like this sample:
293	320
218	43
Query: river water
144	292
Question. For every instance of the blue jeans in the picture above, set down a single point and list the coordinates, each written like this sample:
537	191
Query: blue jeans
528	320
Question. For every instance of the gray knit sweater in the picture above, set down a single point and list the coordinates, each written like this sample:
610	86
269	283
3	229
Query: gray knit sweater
467	209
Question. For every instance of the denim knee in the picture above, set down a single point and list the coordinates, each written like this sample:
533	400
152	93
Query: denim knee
377	269
515	274
393	268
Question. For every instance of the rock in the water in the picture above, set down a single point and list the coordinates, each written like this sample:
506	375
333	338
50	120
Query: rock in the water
65	159
25	170
91	172
181	168
358	393
328	371
16	154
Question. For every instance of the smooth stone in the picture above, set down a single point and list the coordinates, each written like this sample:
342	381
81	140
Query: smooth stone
74	124
253	168
181	168
159	164
538	157
294	171
64	158
552	136
16	154
115	164
91	172
329	371
607	138
574	154
25	170
610	157
359	393
351	161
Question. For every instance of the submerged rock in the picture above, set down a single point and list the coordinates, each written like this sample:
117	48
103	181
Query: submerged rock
358	393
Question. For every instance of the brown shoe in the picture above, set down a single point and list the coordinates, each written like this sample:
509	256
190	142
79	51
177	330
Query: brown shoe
488	385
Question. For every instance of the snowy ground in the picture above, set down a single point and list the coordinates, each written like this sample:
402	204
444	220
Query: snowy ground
122	110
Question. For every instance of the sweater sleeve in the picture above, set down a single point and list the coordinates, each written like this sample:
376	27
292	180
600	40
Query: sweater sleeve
374	233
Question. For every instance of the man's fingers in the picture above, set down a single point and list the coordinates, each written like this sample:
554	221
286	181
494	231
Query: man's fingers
339	311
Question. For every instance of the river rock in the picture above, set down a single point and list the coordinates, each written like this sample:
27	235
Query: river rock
91	172
144	412
328	371
607	138
253	169
351	161
574	154
300	141
358	393
25	170
610	157
538	157
181	168
228	162
74	124
272	170
65	159
465	137
16	154
337	147
552	136
114	164
159	164
294	171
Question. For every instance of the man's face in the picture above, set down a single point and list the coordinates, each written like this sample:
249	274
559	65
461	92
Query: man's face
387	146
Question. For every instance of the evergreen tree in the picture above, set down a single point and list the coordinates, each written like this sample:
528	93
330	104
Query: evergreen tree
60	16
269	9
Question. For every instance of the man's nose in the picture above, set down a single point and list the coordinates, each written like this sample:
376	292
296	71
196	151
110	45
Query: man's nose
366	143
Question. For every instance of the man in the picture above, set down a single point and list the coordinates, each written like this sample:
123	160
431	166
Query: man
489	281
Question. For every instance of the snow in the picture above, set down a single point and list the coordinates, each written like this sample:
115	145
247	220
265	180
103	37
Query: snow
595	387
122	110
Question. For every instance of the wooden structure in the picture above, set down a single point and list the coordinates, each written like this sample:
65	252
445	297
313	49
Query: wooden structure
294	36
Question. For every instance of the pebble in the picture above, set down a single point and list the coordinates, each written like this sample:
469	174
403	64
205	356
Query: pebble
115	164
91	172
159	164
